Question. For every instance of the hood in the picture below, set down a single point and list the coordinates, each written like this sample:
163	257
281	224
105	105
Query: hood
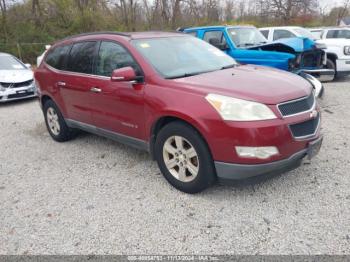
254	83
289	45
15	76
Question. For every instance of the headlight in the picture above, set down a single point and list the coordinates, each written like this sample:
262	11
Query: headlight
234	109
346	50
2	89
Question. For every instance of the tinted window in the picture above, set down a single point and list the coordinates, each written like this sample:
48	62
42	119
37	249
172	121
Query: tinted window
279	34
81	57
332	34
265	33
214	34
57	57
343	34
113	56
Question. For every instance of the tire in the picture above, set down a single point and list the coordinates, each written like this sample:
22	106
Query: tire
199	171
55	123
331	65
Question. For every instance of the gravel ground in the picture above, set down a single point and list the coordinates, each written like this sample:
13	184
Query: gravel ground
92	195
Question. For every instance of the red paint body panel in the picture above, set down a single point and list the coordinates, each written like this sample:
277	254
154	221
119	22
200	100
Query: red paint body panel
133	109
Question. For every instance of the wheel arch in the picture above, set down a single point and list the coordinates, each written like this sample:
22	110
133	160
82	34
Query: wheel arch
164	120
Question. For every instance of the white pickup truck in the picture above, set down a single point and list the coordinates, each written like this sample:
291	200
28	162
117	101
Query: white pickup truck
336	41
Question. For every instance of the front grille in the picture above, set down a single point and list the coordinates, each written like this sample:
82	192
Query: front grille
19	95
305	129
6	85
297	106
312	58
17	85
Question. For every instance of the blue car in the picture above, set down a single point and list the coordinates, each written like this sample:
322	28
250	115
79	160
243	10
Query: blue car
248	46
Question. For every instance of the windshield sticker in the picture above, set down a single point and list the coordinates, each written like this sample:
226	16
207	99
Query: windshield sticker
145	45
233	33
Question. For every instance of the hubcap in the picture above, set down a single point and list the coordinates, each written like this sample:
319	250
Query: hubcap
52	120
181	159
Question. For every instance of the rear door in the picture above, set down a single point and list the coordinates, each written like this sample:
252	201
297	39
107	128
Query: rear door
117	106
75	81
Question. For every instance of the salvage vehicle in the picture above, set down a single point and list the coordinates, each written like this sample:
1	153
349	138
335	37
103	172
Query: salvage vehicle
337	40
248	46
16	79
200	114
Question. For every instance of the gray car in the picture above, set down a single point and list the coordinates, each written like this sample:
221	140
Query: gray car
16	79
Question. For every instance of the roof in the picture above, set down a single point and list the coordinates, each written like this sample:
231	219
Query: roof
130	35
346	20
329	28
4	54
279	27
217	27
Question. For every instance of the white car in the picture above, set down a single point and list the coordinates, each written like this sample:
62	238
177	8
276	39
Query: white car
336	43
16	79
337	40
41	57
275	33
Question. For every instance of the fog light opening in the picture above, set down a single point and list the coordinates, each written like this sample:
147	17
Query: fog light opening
256	152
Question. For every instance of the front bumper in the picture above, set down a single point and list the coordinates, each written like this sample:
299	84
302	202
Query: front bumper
322	75
12	94
229	171
317	85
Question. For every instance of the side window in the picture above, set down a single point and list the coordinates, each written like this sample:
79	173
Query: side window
81	57
112	56
344	34
281	33
58	56
265	33
332	34
193	33
214	34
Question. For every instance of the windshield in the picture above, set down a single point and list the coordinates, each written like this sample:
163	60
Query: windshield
10	63
304	33
175	57
246	36
317	34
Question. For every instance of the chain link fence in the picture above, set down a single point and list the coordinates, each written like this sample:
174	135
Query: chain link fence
27	52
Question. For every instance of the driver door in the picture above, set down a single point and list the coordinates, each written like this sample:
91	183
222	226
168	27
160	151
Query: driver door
118	107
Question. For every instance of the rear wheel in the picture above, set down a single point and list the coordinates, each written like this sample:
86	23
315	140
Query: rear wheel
55	123
184	158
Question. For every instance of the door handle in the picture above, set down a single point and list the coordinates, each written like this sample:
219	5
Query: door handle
61	83
95	90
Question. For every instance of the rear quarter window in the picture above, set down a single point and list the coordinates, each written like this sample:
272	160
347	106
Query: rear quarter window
57	57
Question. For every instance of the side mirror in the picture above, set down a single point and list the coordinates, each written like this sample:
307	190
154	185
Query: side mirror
29	66
218	44
124	74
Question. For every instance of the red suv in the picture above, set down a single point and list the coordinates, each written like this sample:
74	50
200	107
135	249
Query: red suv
201	115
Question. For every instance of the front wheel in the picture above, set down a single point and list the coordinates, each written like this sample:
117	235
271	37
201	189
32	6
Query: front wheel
331	65
184	158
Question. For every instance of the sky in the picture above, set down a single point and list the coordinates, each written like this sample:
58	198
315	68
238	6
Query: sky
330	3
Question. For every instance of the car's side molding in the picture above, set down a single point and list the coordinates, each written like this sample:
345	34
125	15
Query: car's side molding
127	140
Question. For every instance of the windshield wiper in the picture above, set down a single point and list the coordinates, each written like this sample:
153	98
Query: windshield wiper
228	66
186	75
247	44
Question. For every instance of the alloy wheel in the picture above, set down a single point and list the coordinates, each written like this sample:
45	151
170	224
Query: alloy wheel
181	158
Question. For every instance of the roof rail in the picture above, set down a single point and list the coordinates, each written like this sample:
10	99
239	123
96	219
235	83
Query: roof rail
98	33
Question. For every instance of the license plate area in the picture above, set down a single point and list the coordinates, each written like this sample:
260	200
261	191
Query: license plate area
314	148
